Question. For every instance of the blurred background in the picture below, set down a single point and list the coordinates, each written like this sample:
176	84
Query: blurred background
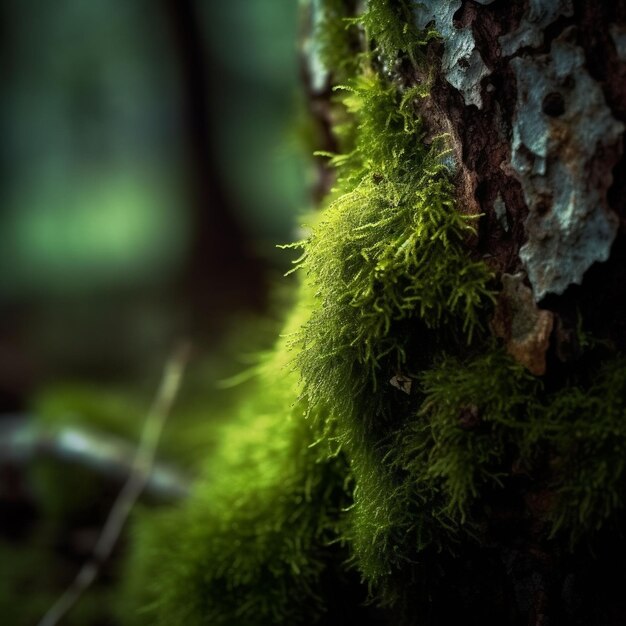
149	165
151	158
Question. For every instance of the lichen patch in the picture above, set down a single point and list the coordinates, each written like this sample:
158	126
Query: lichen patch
563	137
461	62
540	14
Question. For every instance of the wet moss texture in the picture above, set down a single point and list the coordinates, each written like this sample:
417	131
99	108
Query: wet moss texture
391	450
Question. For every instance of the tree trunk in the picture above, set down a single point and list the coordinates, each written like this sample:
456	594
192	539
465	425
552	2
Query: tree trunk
457	347
531	96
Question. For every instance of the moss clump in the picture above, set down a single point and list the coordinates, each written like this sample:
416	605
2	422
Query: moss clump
486	439
584	426
392	280
414	487
471	412
389	249
386	278
253	543
483	420
336	38
389	26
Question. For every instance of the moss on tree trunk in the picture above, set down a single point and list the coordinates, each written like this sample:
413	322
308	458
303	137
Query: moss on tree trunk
442	430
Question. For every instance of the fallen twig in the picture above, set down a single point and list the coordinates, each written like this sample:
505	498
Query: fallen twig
139	476
23	439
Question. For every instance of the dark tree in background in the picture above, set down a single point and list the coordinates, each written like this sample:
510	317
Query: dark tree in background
142	193
128	207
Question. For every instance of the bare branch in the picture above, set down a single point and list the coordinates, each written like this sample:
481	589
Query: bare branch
137	481
24	439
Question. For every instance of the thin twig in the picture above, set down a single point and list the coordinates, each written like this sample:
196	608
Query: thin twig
131	490
25	438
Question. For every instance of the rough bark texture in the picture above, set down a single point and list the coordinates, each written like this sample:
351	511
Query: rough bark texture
583	152
533	96
570	118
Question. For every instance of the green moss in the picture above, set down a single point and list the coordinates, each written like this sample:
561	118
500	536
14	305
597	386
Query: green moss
585	427
326	456
579	427
389	30
424	496
470	413
387	264
394	527
336	39
386	277
392	282
389	26
414	487
254	541
389	249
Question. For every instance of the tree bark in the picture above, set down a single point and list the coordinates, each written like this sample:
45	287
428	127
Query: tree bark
532	96
448	439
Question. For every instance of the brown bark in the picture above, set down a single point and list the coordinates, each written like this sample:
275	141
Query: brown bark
484	139
549	585
522	576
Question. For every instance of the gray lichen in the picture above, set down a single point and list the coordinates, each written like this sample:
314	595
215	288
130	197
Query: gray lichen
618	34
500	210
310	46
540	14
462	64
565	143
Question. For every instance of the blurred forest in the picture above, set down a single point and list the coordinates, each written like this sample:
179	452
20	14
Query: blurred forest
153	154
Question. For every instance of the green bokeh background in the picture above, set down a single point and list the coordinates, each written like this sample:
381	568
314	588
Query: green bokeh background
92	124
151	159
